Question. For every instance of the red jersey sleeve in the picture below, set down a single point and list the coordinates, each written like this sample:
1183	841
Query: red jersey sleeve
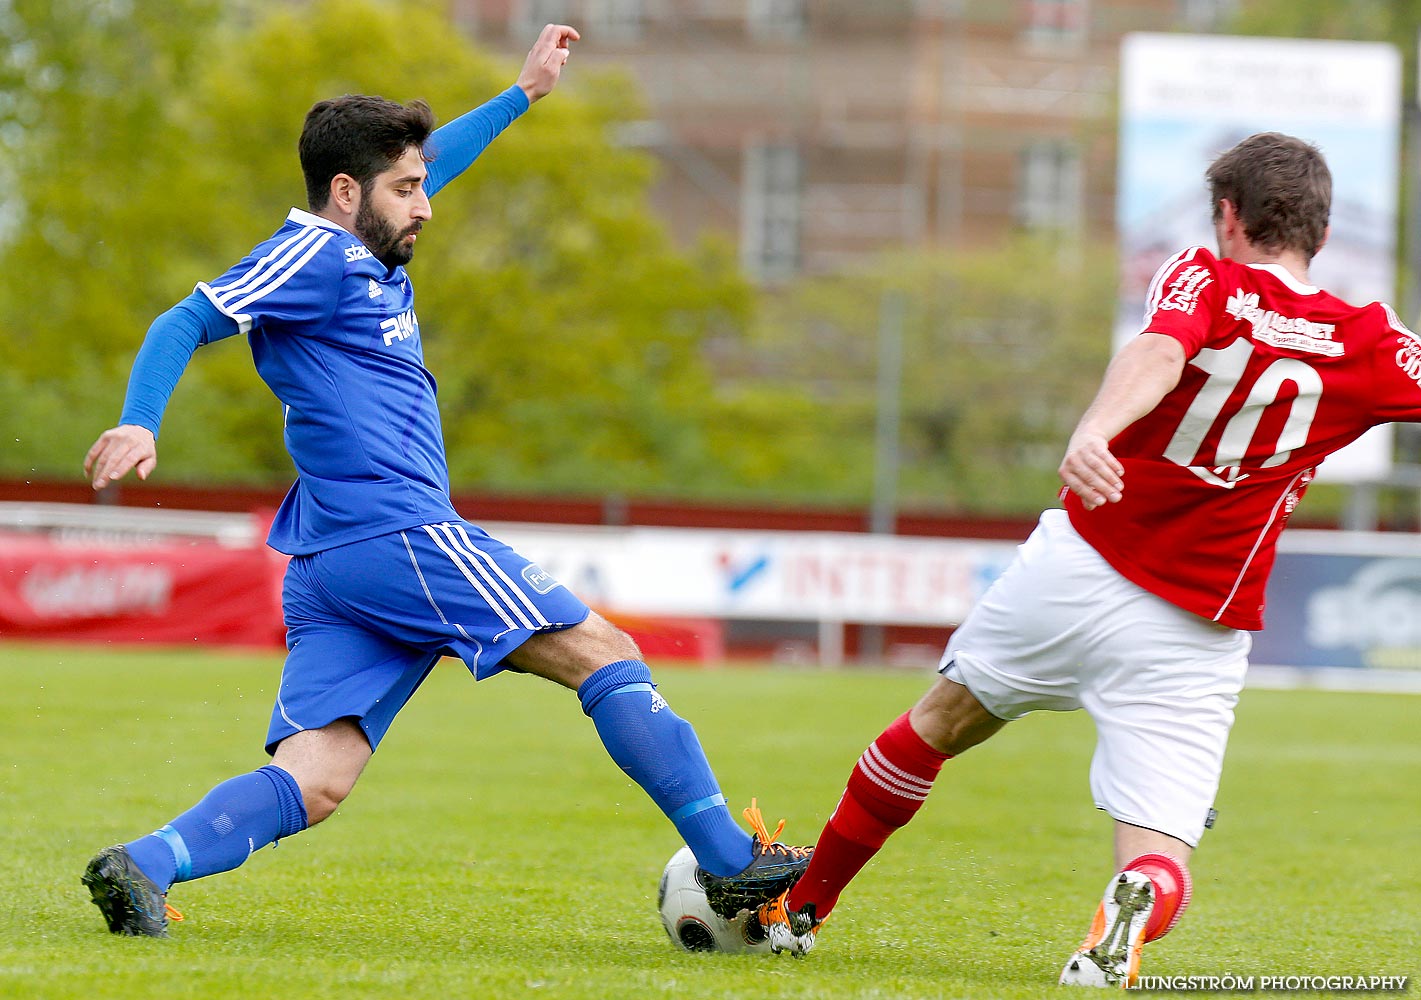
1183	297
1397	369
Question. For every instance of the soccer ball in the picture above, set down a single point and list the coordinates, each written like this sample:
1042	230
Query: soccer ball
689	920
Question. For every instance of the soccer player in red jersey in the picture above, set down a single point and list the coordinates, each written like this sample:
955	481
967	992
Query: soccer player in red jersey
1136	601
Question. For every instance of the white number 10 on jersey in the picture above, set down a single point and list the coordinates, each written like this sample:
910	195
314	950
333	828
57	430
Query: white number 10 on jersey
1225	368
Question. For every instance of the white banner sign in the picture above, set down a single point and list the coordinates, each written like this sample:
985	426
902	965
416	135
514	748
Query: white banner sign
791	576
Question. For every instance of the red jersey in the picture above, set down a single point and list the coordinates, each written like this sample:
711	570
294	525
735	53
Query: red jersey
1279	376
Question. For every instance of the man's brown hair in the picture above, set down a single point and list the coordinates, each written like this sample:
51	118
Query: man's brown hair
357	135
1281	188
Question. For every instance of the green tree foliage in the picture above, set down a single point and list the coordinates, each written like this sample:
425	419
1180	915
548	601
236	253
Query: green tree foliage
93	153
149	146
1002	351
1371	20
566	332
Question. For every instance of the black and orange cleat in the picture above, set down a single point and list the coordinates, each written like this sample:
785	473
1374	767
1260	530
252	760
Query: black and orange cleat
130	901
789	930
1110	954
774	869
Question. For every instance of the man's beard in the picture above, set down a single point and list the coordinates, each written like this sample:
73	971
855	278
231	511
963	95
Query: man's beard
385	243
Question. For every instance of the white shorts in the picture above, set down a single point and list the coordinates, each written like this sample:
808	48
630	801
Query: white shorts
1062	630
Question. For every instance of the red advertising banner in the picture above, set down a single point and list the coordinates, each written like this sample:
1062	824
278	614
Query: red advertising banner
188	591
701	640
181	592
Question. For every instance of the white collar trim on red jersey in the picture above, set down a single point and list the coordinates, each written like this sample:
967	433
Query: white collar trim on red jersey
1286	277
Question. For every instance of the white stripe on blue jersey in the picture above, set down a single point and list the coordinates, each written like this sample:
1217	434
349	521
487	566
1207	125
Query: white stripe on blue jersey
258	272
266	275
271	272
281	278
316	239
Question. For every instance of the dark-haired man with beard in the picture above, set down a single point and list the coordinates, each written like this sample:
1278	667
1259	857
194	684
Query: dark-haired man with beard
385	577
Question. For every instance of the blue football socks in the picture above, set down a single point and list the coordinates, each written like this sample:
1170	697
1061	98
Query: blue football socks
235	819
660	752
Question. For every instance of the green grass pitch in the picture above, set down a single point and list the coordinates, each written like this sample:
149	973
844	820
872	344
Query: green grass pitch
492	850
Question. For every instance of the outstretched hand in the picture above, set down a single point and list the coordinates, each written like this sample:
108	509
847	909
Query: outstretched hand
543	67
119	449
1090	470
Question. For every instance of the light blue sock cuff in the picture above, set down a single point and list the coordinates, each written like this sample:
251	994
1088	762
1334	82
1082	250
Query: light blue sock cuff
700	805
614	677
178	846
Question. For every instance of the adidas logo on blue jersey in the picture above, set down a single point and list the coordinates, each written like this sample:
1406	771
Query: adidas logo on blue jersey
374	289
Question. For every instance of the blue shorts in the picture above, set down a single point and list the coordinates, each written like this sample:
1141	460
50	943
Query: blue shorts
366	622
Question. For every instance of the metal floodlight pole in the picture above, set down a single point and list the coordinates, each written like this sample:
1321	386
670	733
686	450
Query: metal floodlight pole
883	515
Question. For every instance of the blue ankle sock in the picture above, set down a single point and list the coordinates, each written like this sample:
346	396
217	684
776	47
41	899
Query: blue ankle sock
660	752
235	819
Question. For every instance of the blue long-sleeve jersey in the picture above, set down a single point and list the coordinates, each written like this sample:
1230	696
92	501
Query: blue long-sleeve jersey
333	333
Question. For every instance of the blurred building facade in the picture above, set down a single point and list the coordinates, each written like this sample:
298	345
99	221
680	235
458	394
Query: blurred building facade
815	133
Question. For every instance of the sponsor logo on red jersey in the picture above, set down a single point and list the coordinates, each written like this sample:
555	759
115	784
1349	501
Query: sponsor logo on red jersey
1291	332
1183	292
1408	357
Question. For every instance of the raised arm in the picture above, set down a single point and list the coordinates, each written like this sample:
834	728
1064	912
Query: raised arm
456	145
161	361
543	67
1138	378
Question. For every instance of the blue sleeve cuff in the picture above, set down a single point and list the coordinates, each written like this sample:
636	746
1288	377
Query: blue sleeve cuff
164	356
455	146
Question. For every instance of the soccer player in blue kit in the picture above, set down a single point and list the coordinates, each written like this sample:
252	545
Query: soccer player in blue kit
385	577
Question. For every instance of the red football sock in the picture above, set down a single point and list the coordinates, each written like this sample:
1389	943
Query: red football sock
1173	888
887	787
